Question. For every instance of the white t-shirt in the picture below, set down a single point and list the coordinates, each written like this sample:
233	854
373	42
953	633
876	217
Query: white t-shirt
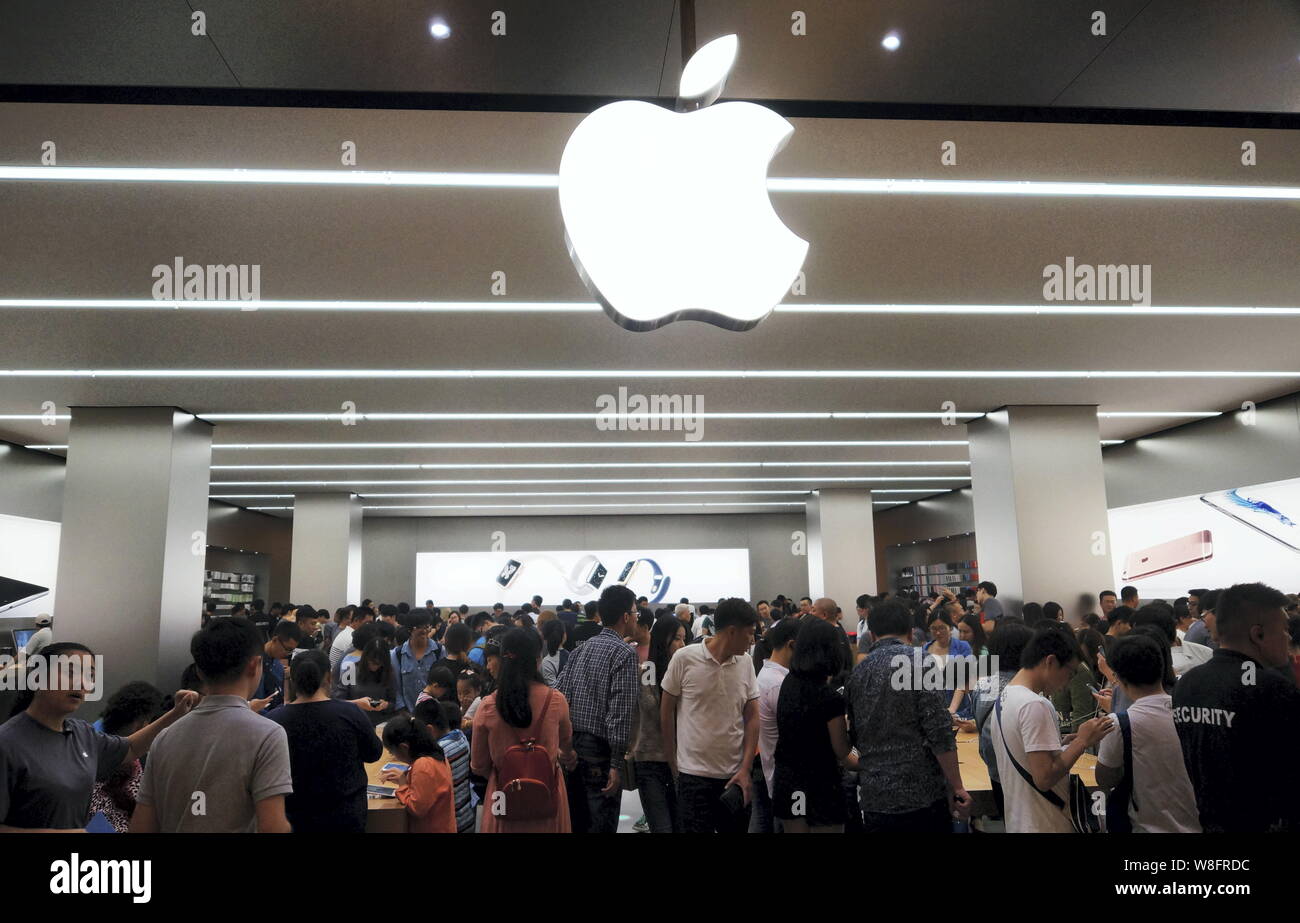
1189	654
710	713
770	679
1030	726
1162	790
342	645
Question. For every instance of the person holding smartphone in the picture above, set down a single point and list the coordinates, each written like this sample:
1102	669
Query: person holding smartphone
708	717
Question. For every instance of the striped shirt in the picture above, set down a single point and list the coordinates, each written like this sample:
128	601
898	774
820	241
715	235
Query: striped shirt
455	746
600	682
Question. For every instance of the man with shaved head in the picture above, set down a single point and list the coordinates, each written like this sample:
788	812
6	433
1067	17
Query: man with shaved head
826	610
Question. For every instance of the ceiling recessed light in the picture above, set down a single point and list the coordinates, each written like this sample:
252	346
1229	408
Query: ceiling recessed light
891	42
439	29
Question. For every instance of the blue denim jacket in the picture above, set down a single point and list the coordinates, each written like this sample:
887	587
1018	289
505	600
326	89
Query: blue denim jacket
412	674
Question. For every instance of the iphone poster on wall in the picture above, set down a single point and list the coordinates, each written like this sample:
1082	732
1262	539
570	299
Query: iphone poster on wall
481	578
1214	539
29	558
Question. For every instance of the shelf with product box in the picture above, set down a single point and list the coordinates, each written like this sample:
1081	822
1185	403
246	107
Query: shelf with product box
928	579
226	588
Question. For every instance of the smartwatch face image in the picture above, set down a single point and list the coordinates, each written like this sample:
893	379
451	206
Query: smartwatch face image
627	571
509	573
597	576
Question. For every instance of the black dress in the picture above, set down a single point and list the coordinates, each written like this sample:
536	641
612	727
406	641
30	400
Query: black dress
806	784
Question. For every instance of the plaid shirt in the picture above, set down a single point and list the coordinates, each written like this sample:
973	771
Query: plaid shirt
600	683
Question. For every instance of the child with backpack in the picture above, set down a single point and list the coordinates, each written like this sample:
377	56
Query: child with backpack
425	789
521	734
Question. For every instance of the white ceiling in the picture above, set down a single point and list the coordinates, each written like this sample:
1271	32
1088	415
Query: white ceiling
100	240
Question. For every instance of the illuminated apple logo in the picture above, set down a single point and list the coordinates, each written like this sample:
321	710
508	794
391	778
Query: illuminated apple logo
666	214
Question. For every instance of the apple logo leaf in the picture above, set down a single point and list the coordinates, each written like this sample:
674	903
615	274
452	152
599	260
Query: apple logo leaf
706	73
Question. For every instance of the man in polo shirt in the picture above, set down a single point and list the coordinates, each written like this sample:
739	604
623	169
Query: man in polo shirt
49	760
222	768
708	713
1238	718
600	681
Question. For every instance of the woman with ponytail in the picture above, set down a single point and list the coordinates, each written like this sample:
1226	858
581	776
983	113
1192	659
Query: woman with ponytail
425	789
329	743
518	728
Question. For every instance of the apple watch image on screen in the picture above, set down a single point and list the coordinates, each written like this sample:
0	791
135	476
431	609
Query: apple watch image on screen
14	593
658	582
1259	510
584	577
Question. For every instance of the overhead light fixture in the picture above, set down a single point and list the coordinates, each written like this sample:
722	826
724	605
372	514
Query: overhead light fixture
528	481
891	42
439	29
621	444
862	185
342	374
258	417
541	493
591	307
570	465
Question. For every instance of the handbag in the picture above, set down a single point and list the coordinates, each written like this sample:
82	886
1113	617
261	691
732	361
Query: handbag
1079	809
1117	819
629	775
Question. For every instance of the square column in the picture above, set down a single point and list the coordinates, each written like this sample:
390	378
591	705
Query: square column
1041	527
326	562
841	548
131	555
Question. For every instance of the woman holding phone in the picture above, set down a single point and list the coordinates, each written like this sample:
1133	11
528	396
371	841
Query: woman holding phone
329	744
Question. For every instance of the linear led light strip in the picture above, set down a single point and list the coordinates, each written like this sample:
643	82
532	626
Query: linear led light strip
369	495
577	307
568	465
677	374
515	481
252	417
562	506
544	416
853	185
539	445
580	493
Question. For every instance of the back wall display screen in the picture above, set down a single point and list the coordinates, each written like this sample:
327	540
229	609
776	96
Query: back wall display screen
1210	540
480	578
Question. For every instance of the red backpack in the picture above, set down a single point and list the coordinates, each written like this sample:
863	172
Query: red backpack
526	774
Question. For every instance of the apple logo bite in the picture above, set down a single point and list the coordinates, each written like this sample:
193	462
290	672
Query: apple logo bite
666	214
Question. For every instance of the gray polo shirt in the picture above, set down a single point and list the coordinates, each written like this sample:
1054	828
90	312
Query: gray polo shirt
47	776
206	773
992	609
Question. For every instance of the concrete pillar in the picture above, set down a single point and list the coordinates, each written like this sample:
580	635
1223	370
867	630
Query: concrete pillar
326	563
135	513
841	549
1041	529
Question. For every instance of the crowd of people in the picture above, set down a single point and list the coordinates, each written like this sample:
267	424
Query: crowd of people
728	717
